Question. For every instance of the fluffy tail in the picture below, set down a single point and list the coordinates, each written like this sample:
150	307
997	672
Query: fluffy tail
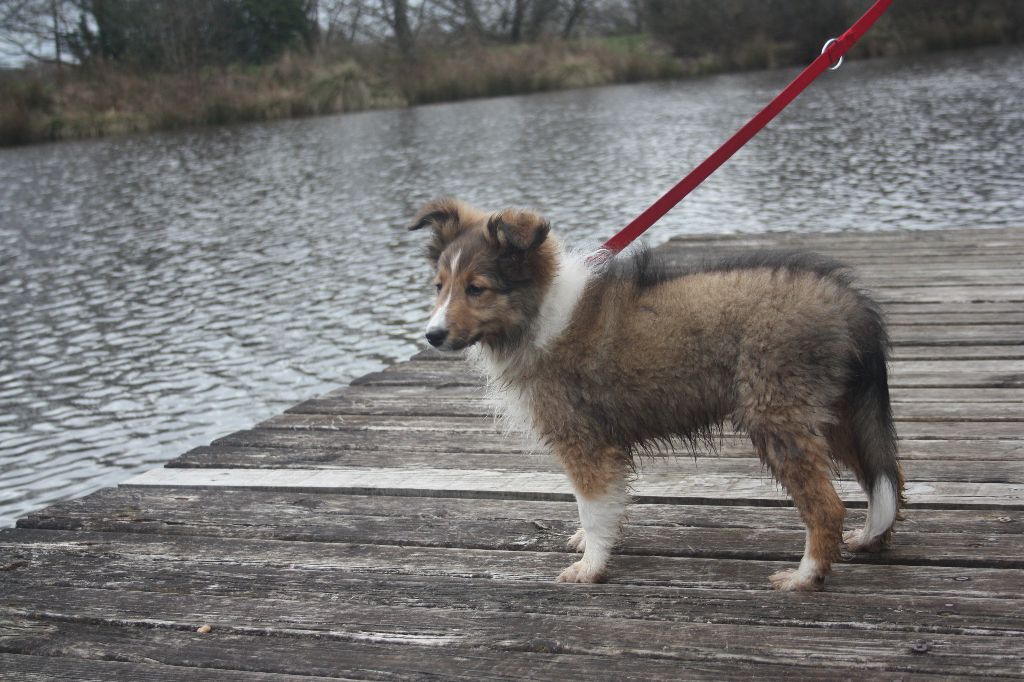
875	433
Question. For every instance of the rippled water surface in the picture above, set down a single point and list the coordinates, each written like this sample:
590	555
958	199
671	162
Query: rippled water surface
162	290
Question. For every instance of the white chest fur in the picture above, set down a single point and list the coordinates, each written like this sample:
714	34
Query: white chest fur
512	378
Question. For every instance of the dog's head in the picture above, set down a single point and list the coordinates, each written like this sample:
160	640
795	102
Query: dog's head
490	272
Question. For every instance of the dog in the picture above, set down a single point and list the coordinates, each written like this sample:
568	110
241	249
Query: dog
602	362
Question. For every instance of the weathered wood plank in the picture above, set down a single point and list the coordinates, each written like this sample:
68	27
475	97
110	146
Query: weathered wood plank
963	396
125	552
678	256
472	630
962	430
898	366
424	394
950	307
276	515
675	487
970	237
971	352
899	247
962	294
900	352
896	319
982	539
922	462
324	445
475	396
230	457
408	377
49	668
738	462
379	655
443	374
967	239
897	252
454	402
892	274
957	366
959	615
959	412
375	657
856	261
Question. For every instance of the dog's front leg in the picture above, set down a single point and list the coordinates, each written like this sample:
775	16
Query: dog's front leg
599	483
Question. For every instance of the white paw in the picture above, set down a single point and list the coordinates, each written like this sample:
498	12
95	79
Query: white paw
578	541
581	572
855	542
792	580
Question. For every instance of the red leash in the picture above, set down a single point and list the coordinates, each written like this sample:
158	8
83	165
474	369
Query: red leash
831	56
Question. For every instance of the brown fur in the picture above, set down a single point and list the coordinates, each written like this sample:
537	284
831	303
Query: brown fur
783	347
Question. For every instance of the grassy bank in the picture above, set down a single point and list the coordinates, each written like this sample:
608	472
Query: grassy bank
38	104
106	99
517	69
109	99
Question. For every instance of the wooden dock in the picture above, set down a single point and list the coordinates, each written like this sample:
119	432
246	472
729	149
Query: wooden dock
388	531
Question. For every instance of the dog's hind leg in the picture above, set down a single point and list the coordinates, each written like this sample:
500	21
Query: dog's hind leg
882	495
599	483
800	462
868	418
884	499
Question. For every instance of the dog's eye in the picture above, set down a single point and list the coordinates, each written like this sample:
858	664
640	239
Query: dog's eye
438	287
474	290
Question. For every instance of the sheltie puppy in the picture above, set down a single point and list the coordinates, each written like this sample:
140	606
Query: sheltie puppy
602	361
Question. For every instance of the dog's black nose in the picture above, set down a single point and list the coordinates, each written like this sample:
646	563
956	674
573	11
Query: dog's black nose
437	336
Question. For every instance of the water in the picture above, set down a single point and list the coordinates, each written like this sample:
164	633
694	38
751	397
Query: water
162	290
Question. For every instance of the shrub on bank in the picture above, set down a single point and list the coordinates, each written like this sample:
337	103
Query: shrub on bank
25	104
518	69
107	99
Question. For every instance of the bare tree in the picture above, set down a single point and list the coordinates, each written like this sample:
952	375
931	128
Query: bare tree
396	13
529	20
541	12
33	29
341	20
515	31
573	16
473	24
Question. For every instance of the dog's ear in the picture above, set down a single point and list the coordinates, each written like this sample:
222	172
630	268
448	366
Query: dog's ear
516	234
447	218
517	230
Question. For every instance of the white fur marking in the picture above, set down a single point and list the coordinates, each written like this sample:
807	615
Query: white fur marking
809	568
437	320
601	519
881	509
561	298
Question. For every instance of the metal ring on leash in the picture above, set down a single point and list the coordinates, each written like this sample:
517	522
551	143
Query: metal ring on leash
835	65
